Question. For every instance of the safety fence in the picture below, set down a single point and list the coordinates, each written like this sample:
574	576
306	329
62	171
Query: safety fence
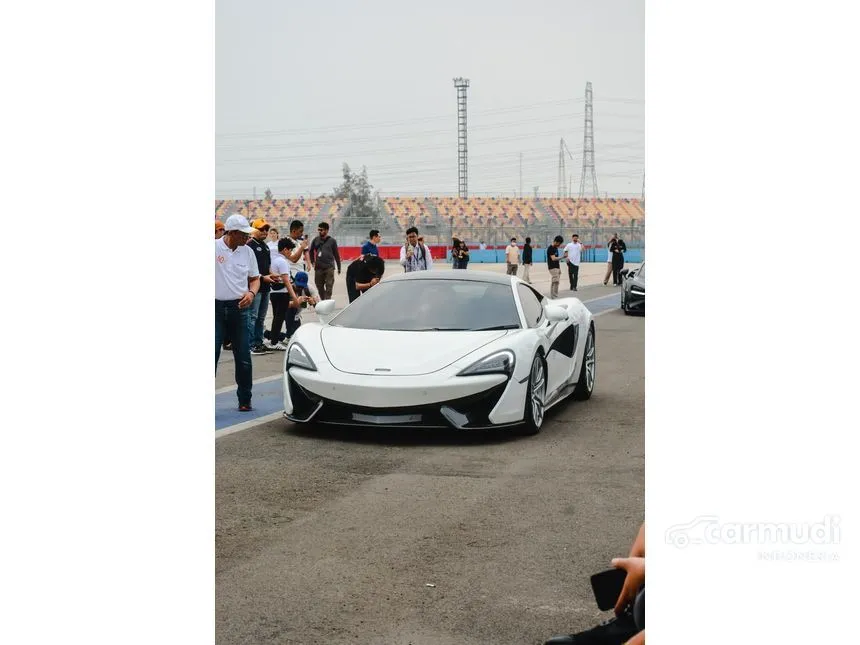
491	255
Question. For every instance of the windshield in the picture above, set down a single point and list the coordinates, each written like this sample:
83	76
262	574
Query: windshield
432	305
641	272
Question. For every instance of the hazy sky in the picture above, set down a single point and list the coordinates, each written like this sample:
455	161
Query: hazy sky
302	87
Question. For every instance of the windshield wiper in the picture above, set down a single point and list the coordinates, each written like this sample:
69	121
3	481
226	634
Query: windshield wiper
496	328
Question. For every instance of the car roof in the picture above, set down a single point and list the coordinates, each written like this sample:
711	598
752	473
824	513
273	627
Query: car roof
470	276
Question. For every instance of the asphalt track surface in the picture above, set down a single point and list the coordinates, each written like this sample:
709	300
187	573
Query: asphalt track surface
336	536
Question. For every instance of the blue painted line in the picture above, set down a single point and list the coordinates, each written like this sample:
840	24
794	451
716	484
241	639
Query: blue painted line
268	397
599	305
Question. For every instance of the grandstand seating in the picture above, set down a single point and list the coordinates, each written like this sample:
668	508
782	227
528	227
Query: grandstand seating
502	212
404	209
609	211
280	212
479	211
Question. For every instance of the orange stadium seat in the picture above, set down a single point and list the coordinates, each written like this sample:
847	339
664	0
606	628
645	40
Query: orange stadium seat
473	212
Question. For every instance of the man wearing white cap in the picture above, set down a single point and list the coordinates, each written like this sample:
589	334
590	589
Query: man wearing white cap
237	282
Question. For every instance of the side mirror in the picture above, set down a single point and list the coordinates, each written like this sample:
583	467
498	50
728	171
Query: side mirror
325	310
554	313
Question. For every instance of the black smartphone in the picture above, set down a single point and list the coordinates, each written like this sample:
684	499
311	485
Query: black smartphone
607	587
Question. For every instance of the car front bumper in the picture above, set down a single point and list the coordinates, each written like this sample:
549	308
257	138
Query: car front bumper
634	302
464	403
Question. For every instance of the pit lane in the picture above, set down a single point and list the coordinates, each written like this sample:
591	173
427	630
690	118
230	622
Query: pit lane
334	536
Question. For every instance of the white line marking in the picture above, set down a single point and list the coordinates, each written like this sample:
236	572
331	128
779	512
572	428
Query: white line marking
611	295
249	424
265	379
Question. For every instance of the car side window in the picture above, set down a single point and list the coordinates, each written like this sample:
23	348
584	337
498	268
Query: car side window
532	307
538	295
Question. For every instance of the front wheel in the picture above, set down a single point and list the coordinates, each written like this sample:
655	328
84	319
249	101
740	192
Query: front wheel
535	397
588	372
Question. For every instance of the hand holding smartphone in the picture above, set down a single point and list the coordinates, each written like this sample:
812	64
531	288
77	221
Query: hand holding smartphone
607	587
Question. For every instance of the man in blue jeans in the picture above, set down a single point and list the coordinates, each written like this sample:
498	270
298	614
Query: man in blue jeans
237	282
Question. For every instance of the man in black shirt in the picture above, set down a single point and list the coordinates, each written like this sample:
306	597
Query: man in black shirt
260	306
617	248
552	254
527	259
363	274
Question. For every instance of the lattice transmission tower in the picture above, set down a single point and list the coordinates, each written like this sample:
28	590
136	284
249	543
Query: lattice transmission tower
563	186
462	84
562	177
588	146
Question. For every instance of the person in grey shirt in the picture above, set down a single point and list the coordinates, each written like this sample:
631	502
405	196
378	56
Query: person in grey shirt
324	256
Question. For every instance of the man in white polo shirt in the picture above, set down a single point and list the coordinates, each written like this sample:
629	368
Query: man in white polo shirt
573	253
237	281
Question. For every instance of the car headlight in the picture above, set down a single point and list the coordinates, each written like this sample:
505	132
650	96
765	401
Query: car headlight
298	356
499	363
639	291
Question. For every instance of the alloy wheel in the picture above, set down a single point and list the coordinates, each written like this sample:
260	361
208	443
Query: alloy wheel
538	380
590	361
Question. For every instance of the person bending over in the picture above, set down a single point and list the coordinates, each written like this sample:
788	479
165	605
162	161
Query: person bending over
363	274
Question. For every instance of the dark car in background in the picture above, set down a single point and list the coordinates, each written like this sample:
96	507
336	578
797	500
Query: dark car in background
633	291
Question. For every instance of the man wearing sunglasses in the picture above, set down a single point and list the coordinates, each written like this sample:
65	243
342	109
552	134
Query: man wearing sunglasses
323	256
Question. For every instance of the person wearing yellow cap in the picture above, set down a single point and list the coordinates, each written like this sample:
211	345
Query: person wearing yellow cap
260	307
219	229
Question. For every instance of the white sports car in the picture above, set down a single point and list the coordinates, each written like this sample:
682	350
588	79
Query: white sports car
465	350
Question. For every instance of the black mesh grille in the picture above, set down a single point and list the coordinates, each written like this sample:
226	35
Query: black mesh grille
476	407
304	402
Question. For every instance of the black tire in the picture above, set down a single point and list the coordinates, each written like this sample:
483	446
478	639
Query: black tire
624	307
584	388
532	425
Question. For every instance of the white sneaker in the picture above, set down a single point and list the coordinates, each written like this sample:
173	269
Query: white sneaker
280	347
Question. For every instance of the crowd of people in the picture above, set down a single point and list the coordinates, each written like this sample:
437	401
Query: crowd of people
570	254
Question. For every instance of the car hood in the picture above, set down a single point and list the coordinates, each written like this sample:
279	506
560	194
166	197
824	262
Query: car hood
399	353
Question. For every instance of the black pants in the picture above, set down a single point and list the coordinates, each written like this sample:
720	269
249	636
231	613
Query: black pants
617	265
573	275
639	610
294	321
280	313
